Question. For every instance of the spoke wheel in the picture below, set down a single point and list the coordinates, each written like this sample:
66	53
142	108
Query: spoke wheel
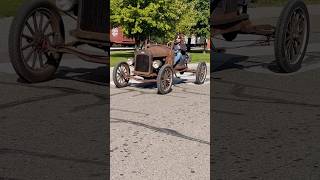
165	79
292	36
201	73
121	75
36	39
36	29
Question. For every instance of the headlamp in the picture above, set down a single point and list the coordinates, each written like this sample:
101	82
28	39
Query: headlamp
156	64
130	61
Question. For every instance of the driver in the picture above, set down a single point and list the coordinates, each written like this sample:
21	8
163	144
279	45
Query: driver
179	48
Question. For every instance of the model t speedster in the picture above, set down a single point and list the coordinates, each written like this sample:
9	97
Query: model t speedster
155	63
230	18
37	35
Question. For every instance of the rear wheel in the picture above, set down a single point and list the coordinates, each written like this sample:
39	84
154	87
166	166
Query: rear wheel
121	75
37	27
201	73
165	79
292	35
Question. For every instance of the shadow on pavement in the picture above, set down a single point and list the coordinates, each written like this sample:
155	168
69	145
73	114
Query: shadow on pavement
266	64
97	76
224	61
55	129
265	126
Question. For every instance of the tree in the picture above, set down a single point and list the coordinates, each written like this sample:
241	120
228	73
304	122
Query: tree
202	26
142	19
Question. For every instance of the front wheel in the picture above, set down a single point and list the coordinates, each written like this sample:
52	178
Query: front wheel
121	75
201	73
165	79
37	27
292	35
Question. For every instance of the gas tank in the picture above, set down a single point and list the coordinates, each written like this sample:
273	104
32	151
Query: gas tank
158	51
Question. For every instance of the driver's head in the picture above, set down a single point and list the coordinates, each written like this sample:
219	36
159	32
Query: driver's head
179	37
178	40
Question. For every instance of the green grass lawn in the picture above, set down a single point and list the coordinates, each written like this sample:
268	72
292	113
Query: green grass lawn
118	56
9	7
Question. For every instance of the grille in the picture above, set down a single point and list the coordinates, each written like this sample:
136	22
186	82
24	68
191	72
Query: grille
94	16
142	63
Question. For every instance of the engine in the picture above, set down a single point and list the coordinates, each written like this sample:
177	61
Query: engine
152	58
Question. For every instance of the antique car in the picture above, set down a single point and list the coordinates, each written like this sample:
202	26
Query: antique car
37	35
154	63
291	34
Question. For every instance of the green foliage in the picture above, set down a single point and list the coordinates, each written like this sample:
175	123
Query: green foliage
202	27
143	19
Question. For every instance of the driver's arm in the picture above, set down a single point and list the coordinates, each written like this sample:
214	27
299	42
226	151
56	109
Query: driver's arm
183	47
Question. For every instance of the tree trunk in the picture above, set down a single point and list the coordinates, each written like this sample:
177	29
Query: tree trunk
189	45
137	43
204	46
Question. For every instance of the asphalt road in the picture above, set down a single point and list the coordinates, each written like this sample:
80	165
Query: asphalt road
160	136
266	125
57	129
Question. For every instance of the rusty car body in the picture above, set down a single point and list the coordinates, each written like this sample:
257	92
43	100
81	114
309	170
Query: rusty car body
37	36
155	63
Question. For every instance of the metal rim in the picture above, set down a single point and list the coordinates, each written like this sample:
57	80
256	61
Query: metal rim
37	35
295	36
122	74
166	79
202	72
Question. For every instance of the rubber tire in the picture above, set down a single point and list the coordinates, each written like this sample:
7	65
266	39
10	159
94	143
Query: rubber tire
230	36
279	47
198	81
114	73
15	55
160	74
